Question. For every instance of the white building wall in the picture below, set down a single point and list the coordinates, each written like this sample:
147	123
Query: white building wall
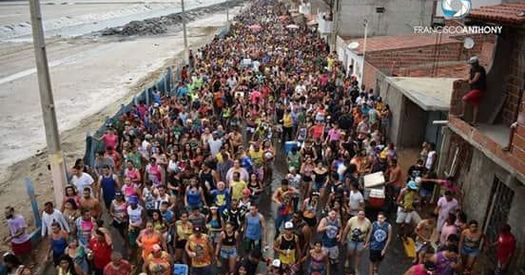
399	16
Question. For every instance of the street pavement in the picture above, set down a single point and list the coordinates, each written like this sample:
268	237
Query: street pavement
395	262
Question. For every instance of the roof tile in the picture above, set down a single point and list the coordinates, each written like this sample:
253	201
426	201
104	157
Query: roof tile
381	43
510	14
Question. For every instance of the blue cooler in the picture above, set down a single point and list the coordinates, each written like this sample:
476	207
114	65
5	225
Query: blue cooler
289	145
180	269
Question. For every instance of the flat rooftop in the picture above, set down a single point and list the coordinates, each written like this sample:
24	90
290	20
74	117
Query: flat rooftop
430	94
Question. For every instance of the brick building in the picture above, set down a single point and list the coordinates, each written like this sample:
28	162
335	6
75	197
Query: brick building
411	55
488	160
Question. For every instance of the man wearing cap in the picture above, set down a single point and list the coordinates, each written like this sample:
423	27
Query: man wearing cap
478	84
287	246
406	210
137	217
200	250
158	262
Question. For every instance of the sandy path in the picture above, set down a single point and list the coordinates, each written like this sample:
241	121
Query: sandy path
87	89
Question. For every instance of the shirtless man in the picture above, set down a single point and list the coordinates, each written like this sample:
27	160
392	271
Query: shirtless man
90	203
424	237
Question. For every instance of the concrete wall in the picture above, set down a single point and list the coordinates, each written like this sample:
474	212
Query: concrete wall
412	125
399	16
433	132
394	99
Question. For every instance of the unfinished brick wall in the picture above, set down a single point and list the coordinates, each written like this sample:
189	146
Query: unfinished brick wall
393	60
460	88
369	76
515	80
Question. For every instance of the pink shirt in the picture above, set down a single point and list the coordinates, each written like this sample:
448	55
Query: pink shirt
446	231
110	140
445	207
334	134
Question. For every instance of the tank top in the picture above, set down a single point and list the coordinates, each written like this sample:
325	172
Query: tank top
85	228
108	187
135	215
379	236
120	211
229	240
193	197
129	190
329	238
253	227
317	262
201	248
443	265
471	243
408	200
160	200
147	244
208	177
58	245
214	224
288	244
154	174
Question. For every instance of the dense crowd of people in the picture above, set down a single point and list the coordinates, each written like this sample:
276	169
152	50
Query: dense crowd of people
181	180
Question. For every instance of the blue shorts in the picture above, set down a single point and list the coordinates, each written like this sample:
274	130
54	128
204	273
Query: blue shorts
470	251
228	252
425	193
355	246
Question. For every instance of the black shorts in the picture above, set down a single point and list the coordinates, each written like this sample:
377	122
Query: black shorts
375	256
180	244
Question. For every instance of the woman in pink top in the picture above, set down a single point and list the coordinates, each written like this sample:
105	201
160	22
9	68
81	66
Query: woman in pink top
449	228
334	134
132	173
110	139
129	189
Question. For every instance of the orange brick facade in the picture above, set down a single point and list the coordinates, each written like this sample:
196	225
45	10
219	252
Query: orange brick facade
439	60
515	82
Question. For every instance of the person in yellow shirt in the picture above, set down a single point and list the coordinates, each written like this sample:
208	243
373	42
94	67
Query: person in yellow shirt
257	156
237	185
287	126
200	250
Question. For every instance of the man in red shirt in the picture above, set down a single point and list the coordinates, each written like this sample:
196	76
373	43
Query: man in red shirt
505	245
100	252
118	266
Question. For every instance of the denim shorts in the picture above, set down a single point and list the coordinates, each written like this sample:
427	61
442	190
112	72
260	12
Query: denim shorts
355	246
228	252
470	251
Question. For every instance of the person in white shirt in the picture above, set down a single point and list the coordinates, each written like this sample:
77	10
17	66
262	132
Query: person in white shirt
356	200
81	180
51	215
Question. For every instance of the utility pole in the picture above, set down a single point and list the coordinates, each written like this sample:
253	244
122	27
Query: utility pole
335	24
228	13
56	158
365	23
186	49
